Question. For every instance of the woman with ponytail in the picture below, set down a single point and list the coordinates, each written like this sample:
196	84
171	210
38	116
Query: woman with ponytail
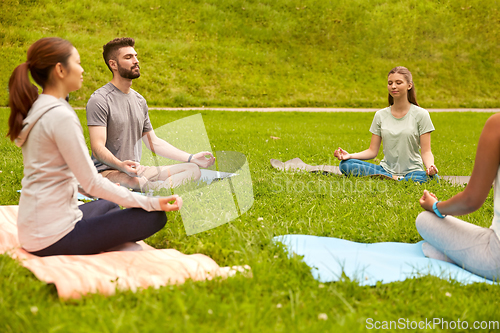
56	160
405	128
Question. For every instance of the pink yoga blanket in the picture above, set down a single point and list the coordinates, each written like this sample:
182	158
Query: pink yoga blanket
103	273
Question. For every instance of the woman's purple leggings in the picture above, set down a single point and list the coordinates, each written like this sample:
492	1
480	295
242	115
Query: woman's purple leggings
103	226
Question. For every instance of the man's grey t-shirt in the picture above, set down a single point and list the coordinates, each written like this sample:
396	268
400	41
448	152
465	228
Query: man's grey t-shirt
125	117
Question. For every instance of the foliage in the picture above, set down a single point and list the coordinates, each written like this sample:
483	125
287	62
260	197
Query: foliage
274	53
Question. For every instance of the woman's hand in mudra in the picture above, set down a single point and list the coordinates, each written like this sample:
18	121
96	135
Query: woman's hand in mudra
341	154
171	203
427	200
431	170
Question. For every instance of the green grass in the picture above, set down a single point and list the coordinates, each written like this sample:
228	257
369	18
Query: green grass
274	53
282	296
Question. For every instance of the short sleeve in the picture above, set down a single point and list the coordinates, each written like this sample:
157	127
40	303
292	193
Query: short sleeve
424	122
147	123
376	124
97	111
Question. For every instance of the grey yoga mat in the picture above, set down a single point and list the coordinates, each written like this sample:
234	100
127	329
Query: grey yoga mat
297	164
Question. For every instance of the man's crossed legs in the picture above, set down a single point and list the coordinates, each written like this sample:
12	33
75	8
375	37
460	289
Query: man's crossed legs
167	176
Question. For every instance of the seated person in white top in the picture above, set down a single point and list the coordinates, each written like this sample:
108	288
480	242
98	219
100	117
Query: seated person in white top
471	247
56	159
117	118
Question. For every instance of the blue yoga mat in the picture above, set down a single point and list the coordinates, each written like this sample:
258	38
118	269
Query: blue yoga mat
370	263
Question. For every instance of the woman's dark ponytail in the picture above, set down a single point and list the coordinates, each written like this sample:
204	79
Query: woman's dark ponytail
22	95
43	55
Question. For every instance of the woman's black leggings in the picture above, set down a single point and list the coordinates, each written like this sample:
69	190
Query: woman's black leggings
103	226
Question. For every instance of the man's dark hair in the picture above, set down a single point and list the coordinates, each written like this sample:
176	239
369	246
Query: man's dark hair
110	50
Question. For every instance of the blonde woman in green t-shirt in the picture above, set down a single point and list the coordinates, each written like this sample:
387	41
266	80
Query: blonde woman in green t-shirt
405	128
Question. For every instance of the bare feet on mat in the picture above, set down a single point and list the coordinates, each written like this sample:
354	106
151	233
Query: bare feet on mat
433	253
145	246
128	246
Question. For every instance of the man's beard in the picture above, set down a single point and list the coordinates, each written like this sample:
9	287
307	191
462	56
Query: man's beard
128	73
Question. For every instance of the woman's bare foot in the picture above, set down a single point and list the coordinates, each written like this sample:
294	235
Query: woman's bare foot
128	246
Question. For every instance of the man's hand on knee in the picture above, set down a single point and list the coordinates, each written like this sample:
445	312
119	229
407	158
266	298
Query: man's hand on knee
203	159
131	168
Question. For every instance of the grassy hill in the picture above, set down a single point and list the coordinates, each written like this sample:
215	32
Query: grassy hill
274	53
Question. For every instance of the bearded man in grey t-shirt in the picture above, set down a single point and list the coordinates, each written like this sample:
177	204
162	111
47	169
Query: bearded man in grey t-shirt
117	118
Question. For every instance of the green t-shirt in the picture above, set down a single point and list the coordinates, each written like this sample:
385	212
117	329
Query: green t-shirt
401	138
